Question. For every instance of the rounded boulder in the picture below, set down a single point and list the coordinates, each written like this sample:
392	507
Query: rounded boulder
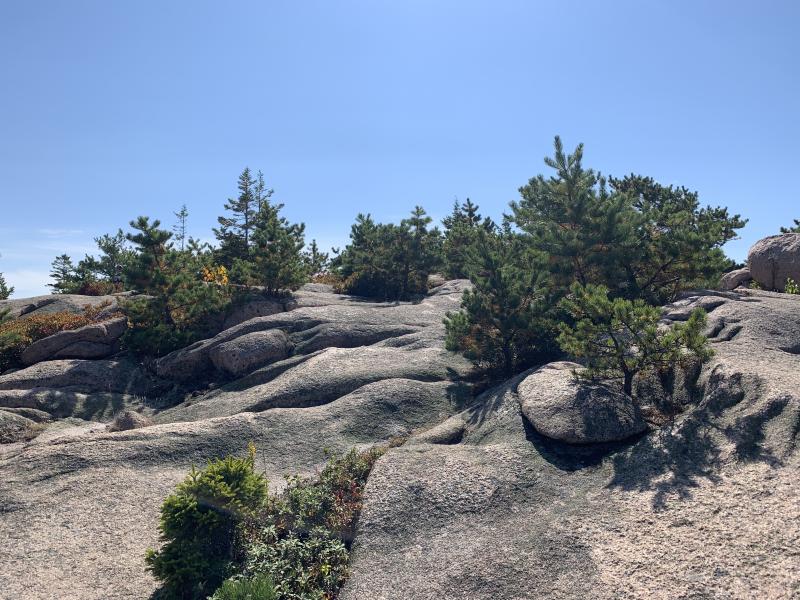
562	407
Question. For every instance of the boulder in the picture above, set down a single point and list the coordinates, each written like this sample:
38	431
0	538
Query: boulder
774	259
733	279
98	340
564	408
129	419
16	428
250	351
251	309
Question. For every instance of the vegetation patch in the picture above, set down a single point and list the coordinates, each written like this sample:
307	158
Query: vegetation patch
224	533
18	334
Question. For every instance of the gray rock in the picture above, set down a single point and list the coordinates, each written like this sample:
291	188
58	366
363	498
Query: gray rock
579	412
251	309
98	340
247	352
16	428
72	303
774	259
733	279
90	376
477	504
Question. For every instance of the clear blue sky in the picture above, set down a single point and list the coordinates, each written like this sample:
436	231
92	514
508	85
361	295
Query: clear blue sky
109	110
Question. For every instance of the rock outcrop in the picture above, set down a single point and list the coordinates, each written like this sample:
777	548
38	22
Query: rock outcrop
733	279
72	303
774	259
579	412
478	502
98	340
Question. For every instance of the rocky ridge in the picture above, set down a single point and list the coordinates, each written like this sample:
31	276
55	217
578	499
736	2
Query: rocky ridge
480	502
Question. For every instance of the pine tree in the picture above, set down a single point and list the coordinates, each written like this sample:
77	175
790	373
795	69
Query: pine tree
503	324
5	290
617	339
795	229
275	260
64	274
638	238
315	261
234	233
390	261
179	305
674	244
261	193
461	233
179	228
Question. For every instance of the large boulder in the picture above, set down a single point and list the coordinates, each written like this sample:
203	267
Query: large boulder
733	279
774	259
561	407
252	350
98	340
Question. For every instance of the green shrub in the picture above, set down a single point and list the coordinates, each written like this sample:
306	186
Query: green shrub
258	588
792	287
301	539
198	523
305	566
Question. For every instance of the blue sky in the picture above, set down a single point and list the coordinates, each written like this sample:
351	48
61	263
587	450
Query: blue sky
109	110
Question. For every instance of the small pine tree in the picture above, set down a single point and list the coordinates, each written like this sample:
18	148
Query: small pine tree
619	338
461	234
390	261
235	231
795	229
275	260
503	324
179	305
179	228
5	290
64	275
315	261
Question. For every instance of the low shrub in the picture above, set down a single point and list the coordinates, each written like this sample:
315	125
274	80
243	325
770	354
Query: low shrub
198	523
222	523
18	334
301	540
792	287
258	588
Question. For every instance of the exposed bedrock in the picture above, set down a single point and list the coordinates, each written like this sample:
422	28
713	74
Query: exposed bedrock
478	503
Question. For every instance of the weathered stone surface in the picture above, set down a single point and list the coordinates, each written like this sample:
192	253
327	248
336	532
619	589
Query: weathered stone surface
98	340
251	309
774	259
15	427
114	376
466	519
477	504
733	279
73	303
245	353
331	320
579	412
